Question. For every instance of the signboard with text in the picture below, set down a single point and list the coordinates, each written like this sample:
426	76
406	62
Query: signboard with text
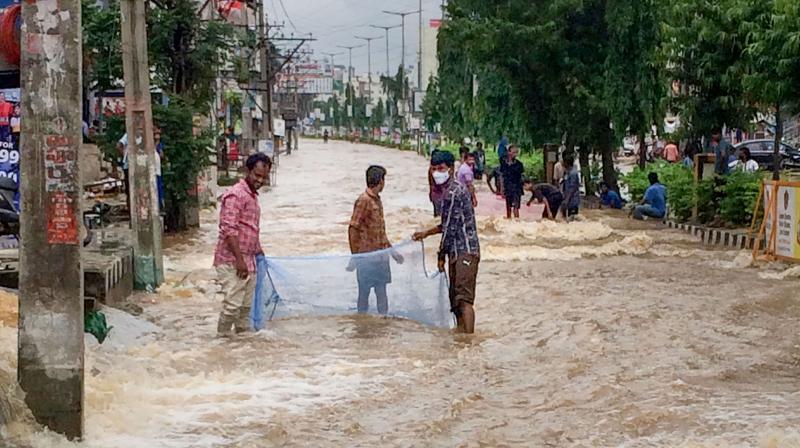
786	206
9	136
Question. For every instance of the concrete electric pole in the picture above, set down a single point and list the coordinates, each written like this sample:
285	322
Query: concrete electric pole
386	30
50	365
145	218
369	64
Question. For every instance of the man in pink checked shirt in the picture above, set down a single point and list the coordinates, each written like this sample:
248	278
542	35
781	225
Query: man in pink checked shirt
238	245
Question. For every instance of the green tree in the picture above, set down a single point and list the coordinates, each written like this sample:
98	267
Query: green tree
635	83
772	54
102	45
703	45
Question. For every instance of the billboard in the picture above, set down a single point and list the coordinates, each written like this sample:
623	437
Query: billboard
9	136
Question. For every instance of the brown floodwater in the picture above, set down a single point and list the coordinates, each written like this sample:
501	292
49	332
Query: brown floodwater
599	333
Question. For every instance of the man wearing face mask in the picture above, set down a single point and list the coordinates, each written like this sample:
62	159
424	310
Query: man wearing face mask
435	191
239	244
459	248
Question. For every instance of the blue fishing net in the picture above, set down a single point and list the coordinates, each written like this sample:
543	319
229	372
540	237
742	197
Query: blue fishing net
396	281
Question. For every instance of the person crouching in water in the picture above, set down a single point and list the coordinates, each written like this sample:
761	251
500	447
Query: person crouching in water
367	233
512	171
546	194
459	248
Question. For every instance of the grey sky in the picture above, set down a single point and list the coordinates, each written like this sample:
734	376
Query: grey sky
335	22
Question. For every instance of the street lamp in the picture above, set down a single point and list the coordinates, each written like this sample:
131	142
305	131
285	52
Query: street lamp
369	63
386	30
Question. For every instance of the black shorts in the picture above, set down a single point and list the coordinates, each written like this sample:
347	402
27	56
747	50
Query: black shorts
463	273
554	201
513	200
371	272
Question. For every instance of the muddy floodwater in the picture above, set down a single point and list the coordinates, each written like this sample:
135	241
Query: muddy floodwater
600	333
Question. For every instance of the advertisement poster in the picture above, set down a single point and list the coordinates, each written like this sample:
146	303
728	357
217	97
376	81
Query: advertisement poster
787	242
9	136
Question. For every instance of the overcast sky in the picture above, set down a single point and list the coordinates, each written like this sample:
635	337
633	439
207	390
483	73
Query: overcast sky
336	22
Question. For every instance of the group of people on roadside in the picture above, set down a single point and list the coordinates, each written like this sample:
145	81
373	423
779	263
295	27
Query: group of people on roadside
726	158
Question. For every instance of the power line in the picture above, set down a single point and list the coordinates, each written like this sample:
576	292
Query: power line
287	15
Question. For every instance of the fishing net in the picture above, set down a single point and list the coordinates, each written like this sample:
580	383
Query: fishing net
329	285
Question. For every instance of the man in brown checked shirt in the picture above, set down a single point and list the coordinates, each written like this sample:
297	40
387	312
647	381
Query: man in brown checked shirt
367	233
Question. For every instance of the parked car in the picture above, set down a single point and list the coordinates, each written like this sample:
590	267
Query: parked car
762	152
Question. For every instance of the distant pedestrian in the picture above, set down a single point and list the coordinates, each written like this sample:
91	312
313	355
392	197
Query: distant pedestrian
494	181
558	171
671	152
459	248
746	162
239	244
502	148
512	171
723	151
546	194
158	159
654	203
480	161
367	233
571	189
692	149
466	175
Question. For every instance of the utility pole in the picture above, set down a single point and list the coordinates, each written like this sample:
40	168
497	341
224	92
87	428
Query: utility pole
265	85
419	55
403	62
369	63
386	30
145	218
50	363
350	83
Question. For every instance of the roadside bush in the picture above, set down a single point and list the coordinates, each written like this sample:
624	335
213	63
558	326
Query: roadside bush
739	196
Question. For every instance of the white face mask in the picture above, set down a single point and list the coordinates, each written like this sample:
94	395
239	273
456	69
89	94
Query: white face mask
441	177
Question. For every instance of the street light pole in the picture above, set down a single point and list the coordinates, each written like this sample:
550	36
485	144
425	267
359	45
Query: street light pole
369	64
350	79
403	58
419	55
386	29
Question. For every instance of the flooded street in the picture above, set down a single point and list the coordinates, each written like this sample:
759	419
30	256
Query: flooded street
599	333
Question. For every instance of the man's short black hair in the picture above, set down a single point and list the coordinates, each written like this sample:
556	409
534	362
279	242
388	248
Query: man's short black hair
257	158
653	178
569	159
375	175
472	155
440	157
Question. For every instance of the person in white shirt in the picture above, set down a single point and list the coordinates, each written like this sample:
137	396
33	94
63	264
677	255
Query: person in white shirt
745	162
